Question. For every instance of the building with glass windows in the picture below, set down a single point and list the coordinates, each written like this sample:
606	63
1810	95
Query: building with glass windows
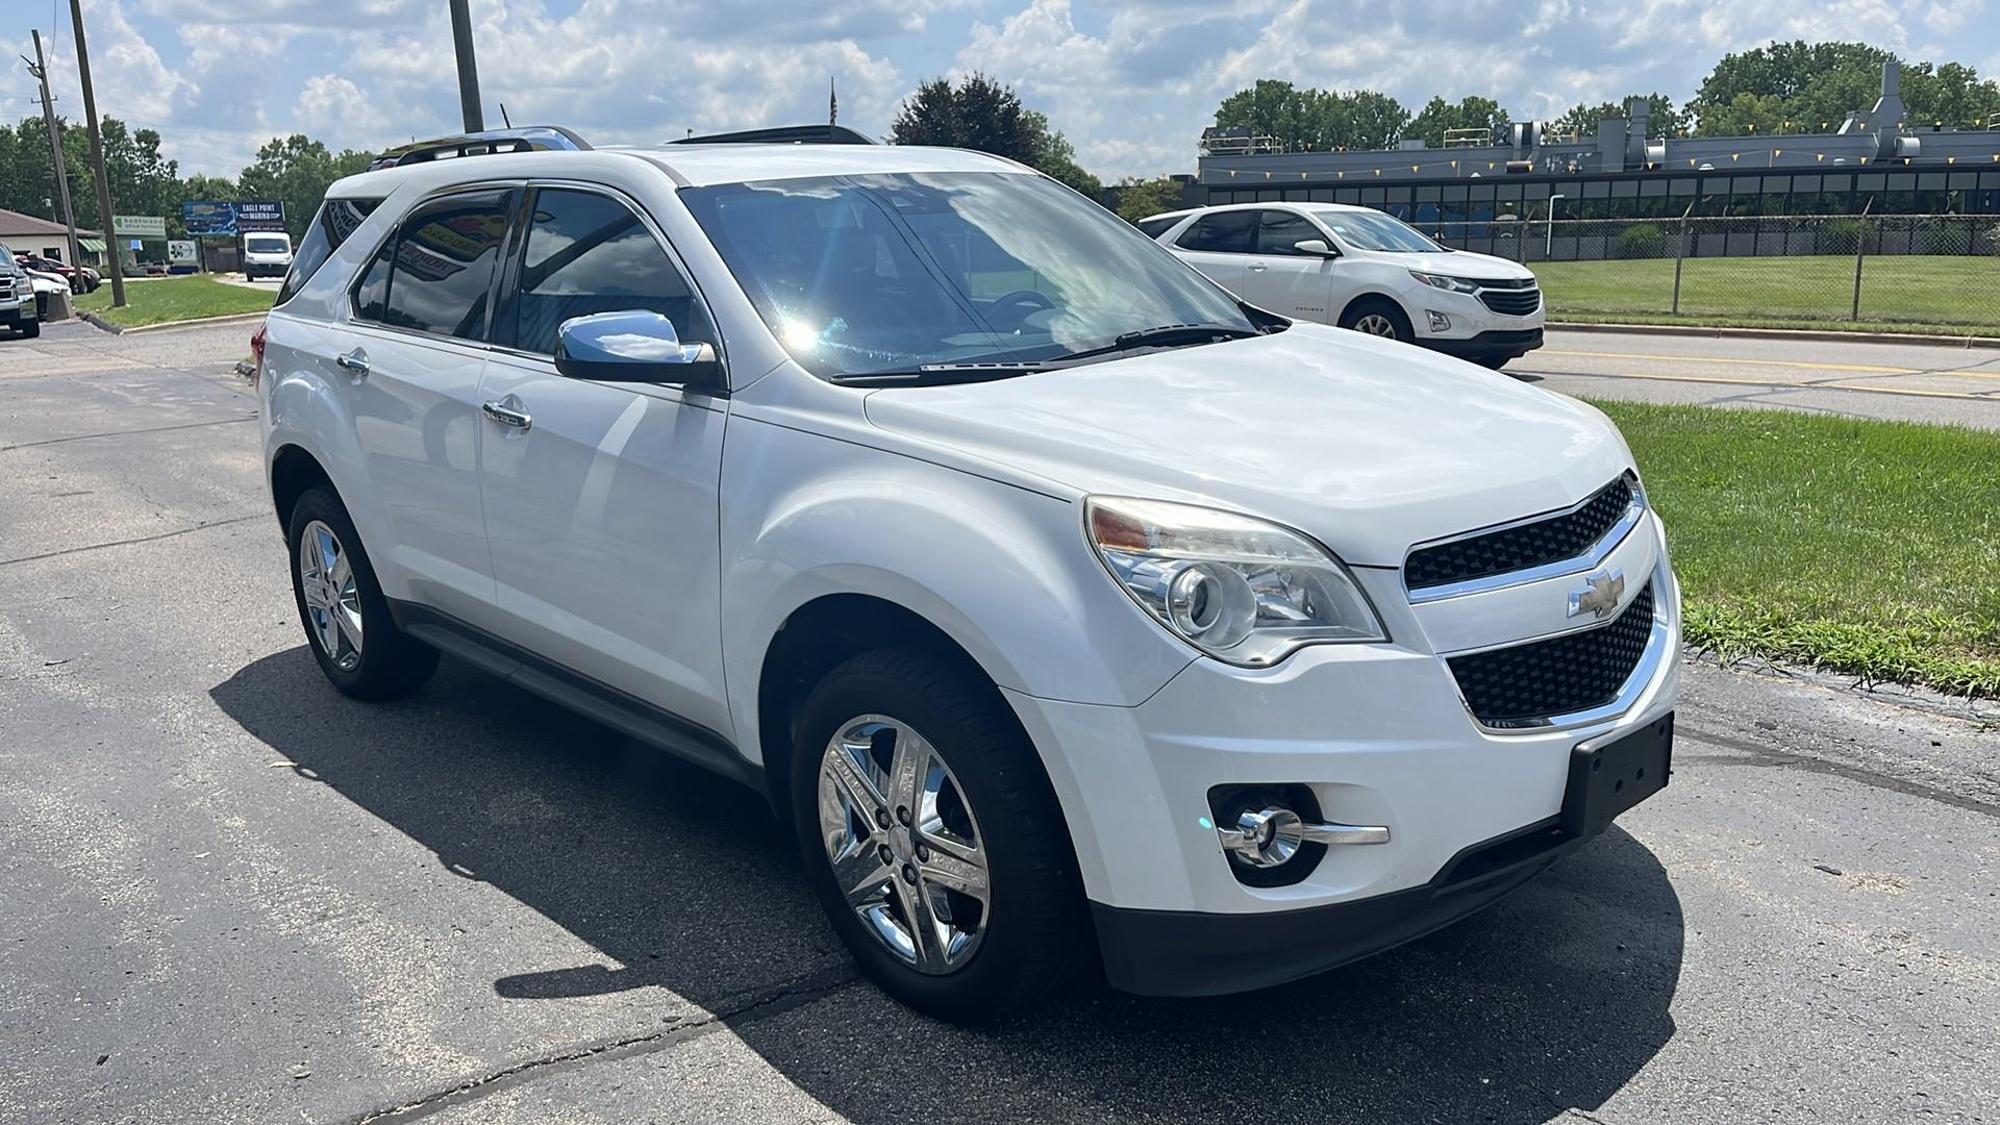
1876	160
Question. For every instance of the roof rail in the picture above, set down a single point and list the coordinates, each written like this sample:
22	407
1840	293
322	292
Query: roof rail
527	138
783	134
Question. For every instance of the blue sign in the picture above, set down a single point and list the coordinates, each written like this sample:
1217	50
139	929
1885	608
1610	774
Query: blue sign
208	217
260	214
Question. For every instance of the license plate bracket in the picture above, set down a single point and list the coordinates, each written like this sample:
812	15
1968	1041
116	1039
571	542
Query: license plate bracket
1609	775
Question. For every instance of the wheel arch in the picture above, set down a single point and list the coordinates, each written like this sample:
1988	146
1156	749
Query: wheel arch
817	637
293	471
1372	296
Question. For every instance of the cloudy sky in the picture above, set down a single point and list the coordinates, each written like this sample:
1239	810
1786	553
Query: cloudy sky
1130	81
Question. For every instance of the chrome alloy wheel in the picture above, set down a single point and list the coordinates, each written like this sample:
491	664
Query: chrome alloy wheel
333	600
1375	324
907	853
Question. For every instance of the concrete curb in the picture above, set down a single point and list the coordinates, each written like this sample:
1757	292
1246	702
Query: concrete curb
1967	341
200	322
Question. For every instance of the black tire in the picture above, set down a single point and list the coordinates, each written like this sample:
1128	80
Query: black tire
390	663
1378	306
1496	362
1037	936
31	329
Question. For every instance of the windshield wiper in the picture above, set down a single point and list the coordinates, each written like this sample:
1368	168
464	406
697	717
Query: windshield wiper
1166	336
934	374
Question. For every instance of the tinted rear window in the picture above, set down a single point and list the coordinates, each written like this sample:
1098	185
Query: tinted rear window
435	274
335	221
1154	228
1226	232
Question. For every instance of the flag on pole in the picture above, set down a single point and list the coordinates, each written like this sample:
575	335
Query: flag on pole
832	104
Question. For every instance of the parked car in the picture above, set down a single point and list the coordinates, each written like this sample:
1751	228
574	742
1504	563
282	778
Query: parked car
76	279
20	313
1363	269
1062	606
43	285
266	254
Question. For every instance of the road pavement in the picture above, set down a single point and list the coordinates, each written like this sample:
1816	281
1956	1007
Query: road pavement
230	894
1951	384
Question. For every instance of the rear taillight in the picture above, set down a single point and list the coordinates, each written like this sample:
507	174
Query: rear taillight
257	354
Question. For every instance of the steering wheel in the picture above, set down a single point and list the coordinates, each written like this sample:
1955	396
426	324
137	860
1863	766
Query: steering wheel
1030	301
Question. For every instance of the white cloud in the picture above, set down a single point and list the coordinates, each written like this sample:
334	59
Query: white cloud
1130	82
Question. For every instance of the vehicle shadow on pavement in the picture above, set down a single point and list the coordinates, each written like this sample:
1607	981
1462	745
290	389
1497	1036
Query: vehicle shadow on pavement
1553	999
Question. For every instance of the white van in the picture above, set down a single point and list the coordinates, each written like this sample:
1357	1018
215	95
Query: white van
267	254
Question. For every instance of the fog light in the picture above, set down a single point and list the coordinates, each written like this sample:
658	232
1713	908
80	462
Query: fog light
1439	321
1271	837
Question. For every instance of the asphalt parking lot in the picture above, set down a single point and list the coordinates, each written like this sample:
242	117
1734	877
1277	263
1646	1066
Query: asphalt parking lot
230	894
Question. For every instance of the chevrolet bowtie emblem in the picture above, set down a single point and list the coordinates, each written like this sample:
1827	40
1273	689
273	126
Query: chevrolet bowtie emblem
1599	595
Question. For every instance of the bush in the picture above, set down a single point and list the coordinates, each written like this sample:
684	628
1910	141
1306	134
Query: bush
1640	240
1841	236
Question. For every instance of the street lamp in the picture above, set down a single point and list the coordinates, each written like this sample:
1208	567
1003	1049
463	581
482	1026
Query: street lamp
1549	249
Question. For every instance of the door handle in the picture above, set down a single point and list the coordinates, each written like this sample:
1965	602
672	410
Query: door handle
506	415
1258	267
355	363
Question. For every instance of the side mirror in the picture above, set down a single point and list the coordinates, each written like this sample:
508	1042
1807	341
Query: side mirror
634	347
1317	247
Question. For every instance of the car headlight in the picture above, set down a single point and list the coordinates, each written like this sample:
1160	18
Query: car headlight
1237	588
1448	284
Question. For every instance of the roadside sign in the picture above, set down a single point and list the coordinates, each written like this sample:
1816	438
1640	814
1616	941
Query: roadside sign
139	226
208	217
260	214
180	250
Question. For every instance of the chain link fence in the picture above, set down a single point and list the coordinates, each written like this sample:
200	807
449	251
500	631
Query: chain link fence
1898	271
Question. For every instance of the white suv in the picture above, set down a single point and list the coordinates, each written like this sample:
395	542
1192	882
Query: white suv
1362	269
1064	607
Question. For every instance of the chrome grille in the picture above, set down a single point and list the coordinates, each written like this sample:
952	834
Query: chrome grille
1564	535
1510	302
1526	684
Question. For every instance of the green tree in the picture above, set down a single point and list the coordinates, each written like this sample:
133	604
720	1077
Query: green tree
1314	120
982	114
1439	117
297	170
1664	119
1140	198
1810	87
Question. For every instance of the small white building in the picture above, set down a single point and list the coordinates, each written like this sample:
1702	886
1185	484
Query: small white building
28	234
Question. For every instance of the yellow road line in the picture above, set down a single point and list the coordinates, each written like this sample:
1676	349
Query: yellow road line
1738	362
1910	393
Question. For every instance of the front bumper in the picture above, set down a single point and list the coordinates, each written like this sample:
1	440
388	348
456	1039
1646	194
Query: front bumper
1496	344
1380	735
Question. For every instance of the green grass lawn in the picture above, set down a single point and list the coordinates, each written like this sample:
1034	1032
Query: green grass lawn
1870	548
160	300
1898	293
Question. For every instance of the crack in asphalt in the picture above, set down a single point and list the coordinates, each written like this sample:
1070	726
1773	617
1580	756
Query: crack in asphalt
1754	754
128	433
761	1004
136	539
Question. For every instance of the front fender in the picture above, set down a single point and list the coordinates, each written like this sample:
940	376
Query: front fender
1004	571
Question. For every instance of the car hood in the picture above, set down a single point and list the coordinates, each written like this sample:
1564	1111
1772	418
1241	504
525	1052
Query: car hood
1463	263
1369	445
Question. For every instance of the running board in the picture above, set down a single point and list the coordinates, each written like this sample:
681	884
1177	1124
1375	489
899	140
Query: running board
565	687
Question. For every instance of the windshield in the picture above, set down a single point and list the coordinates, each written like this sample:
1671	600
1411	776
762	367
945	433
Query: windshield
268	246
6	258
861	274
1373	230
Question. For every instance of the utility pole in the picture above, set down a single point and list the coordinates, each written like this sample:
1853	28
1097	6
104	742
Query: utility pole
115	260
468	67
40	69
